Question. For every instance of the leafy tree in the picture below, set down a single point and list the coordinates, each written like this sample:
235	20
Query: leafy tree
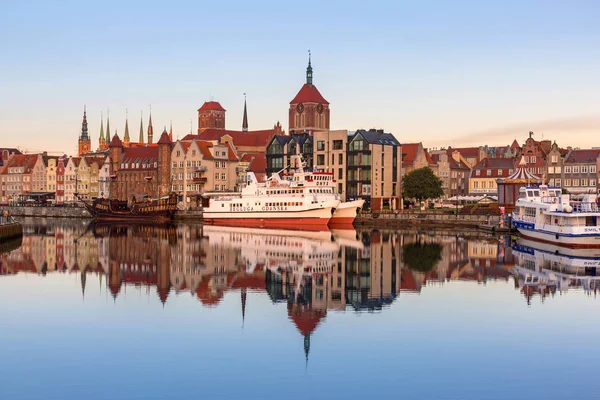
422	184
420	256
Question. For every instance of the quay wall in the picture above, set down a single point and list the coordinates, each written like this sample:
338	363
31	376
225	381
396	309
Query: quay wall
80	212
429	219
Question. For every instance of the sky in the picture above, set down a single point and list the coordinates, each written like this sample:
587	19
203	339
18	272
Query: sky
445	73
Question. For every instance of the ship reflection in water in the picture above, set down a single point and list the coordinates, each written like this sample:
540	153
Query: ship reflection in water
332	281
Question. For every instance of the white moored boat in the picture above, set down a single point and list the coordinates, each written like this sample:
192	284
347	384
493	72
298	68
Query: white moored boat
274	204
324	186
544	214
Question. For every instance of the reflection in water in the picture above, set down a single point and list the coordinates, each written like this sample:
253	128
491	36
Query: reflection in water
313	272
354	295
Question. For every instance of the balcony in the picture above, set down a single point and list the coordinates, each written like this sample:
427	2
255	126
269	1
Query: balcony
202	168
199	179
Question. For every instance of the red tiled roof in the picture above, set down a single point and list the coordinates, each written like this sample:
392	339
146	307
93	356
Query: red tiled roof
250	138
493	164
309	94
115	142
164	138
582	156
429	159
306	320
211	106
258	164
141	155
409	152
465	151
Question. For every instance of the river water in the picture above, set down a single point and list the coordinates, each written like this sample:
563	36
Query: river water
185	311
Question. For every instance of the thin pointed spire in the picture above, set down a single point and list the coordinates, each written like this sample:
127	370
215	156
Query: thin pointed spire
150	128
141	139
84	127
309	72
243	306
306	348
171	131
101	127
245	120
126	139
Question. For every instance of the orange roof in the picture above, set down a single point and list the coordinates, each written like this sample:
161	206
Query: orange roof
305	319
429	159
211	106
409	152
257	162
164	138
309	94
465	151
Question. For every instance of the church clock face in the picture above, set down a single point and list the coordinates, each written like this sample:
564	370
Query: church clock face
300	108
320	108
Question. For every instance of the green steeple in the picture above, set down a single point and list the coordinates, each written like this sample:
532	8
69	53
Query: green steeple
101	127
126	137
141	140
309	72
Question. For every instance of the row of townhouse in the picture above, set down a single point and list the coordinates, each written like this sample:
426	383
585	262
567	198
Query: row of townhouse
63	176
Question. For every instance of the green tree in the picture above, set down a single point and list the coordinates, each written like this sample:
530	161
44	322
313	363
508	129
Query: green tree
422	184
420	256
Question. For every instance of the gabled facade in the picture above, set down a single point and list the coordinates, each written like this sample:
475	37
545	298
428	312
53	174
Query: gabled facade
281	149
60	180
16	177
104	179
535	155
581	171
414	156
484	175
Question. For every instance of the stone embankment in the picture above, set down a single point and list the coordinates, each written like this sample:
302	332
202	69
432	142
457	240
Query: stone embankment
393	220
80	212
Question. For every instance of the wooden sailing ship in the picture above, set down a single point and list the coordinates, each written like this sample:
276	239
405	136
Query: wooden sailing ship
144	210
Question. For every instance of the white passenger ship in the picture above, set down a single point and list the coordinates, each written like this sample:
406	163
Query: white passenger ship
274	204
323	184
544	214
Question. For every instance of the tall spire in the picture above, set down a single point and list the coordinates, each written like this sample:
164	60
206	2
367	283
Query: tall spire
171	131
126	139
243	306
101	128
141	139
309	72
245	120
150	129
84	127
306	347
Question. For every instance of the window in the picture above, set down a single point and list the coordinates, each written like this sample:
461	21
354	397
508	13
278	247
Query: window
338	145
584	182
567	170
576	169
223	177
489	172
584	169
483	184
181	164
189	164
592	169
557	182
476	185
532	159
320	159
550	170
340	173
320	145
558	169
333	159
554	159
193	153
499	172
592	182
216	177
340	159
178	153
478	172
540	170
575	182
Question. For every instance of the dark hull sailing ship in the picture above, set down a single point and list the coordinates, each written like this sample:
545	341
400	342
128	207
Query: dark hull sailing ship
161	209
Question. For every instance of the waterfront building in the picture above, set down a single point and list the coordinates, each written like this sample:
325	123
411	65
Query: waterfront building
415	156
581	171
71	178
82	175
16	176
554	165
104	179
453	171
6	153
38	175
281	149
140	171
330	155
483	177
198	166
51	169
308	111
374	163
535	155
60	180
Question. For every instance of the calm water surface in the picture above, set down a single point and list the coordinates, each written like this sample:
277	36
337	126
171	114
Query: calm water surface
146	312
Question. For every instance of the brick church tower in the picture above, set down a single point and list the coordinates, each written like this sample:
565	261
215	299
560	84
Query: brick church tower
85	144
211	116
309	110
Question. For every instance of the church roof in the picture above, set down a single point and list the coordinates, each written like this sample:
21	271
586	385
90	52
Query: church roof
164	138
250	138
309	94
211	106
115	142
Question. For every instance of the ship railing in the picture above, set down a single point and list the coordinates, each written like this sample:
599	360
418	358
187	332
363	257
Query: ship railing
584	207
526	218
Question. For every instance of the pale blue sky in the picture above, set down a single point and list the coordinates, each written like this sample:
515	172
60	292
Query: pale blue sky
445	73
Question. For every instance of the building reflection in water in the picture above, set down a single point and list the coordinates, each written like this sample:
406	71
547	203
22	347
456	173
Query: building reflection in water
313	273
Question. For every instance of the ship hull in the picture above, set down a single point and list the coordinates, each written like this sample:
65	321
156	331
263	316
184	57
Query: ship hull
159	211
346	212
308	219
561	239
